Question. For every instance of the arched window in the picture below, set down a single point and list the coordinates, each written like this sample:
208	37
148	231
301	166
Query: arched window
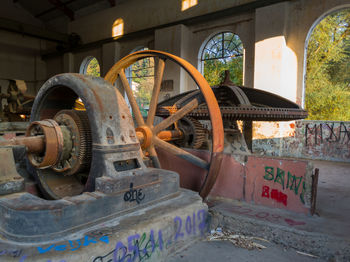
141	80
224	51
327	81
186	4
118	27
90	66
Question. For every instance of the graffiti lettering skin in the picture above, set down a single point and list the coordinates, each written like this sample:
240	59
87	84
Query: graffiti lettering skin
290	182
73	245
327	132
134	195
142	247
12	253
275	194
266	216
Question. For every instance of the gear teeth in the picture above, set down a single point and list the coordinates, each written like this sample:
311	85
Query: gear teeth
84	147
196	130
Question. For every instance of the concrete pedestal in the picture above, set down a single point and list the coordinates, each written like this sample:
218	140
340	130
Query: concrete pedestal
150	233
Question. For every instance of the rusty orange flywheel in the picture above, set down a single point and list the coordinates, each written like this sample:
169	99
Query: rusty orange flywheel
150	132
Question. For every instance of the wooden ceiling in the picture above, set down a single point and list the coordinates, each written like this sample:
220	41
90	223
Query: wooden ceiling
47	10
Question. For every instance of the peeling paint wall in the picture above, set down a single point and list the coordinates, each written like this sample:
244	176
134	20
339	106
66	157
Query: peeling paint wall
324	140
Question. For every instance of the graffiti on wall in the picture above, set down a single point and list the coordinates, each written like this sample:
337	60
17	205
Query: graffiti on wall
74	245
286	181
134	195
274	194
11	252
138	247
143	247
332	132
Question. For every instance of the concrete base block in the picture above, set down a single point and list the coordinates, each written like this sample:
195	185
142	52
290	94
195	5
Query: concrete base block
151	233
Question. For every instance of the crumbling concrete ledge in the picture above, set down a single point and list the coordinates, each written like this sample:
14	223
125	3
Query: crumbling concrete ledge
152	233
300	232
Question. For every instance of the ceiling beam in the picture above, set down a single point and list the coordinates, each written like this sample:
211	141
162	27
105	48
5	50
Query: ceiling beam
62	6
30	30
111	2
52	9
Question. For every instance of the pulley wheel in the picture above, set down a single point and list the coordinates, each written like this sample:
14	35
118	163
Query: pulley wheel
213	166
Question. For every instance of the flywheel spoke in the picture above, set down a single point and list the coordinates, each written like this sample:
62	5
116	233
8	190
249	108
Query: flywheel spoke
153	156
175	117
132	100
155	93
181	153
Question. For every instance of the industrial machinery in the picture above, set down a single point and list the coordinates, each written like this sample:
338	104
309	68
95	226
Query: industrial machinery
102	156
93	165
18	105
236	103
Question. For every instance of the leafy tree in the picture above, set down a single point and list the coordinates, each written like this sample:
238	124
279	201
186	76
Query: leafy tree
142	80
223	51
93	68
214	70
327	94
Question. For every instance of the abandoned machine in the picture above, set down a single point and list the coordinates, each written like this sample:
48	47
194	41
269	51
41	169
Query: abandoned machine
78	168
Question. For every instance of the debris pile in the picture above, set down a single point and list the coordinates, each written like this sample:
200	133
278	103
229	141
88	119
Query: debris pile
238	240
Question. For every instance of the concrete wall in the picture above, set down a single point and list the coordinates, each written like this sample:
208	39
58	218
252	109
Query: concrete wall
281	34
324	140
274	182
20	56
274	37
183	41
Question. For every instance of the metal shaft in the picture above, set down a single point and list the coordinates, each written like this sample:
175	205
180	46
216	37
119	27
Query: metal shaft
34	144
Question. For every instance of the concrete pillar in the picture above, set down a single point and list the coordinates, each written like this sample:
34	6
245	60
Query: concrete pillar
68	63
110	55
275	63
175	40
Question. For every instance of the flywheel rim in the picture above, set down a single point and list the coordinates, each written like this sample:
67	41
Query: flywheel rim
214	111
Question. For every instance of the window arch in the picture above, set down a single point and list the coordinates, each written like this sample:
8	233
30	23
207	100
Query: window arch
326	92
118	27
90	66
223	51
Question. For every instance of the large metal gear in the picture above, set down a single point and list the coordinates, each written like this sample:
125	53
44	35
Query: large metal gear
78	157
194	133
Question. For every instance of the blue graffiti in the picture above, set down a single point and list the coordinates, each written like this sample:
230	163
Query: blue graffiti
74	245
142	247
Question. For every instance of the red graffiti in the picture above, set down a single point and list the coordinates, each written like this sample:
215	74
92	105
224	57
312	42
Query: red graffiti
275	194
274	218
291	222
265	192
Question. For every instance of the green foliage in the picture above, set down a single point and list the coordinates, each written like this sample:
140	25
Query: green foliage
93	68
327	93
142	81
223	52
214	70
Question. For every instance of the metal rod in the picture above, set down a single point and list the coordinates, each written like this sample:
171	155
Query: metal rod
155	92
175	117
34	144
181	153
